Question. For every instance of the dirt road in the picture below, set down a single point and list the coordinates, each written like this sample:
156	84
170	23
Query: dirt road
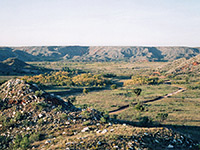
122	108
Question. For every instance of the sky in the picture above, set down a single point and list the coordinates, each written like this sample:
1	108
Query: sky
100	22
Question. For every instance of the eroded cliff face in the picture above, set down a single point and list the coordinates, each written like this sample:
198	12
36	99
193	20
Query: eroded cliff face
98	53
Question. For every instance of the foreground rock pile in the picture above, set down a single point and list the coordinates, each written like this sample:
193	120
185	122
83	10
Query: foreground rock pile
25	110
33	119
17	91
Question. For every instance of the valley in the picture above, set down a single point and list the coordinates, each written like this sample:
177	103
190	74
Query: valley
93	105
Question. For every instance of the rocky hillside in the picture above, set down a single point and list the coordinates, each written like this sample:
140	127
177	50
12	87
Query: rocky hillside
14	66
33	119
98	53
182	66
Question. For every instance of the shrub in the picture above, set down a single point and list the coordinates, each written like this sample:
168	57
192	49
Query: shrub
113	86
145	121
38	93
17	141
84	106
58	108
4	140
139	107
106	115
103	120
162	116
18	116
40	106
109	75
71	100
85	90
63	116
2	105
35	137
24	144
86	123
40	122
85	114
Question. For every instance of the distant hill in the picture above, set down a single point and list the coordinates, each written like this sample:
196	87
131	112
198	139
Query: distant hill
14	66
98	53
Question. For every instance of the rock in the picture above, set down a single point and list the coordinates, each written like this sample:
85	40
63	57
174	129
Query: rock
115	146
48	142
156	141
111	130
104	131
98	143
67	122
170	146
68	143
146	133
28	128
85	129
99	131
40	115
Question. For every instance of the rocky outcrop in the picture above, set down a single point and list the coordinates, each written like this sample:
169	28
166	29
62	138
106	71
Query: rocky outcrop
18	92
182	66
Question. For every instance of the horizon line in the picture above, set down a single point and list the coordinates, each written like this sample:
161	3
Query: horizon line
97	45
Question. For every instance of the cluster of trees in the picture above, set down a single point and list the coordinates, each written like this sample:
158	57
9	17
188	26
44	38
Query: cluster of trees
140	80
64	78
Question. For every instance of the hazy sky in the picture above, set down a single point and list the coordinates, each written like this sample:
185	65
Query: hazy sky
100	22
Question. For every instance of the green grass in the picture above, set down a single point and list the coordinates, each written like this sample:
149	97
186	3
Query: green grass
118	68
106	99
3	78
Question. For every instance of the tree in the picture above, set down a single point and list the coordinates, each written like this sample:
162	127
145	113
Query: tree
137	91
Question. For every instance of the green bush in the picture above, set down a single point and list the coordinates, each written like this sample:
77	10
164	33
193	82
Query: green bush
85	91
40	106
86	123
38	93
145	121
18	116
35	137
113	86
24	144
71	100
40	122
63	116
85	114
3	105
4	140
139	107
103	120
17	141
162	116
58	108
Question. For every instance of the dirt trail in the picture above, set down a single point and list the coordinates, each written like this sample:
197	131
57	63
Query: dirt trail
122	108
